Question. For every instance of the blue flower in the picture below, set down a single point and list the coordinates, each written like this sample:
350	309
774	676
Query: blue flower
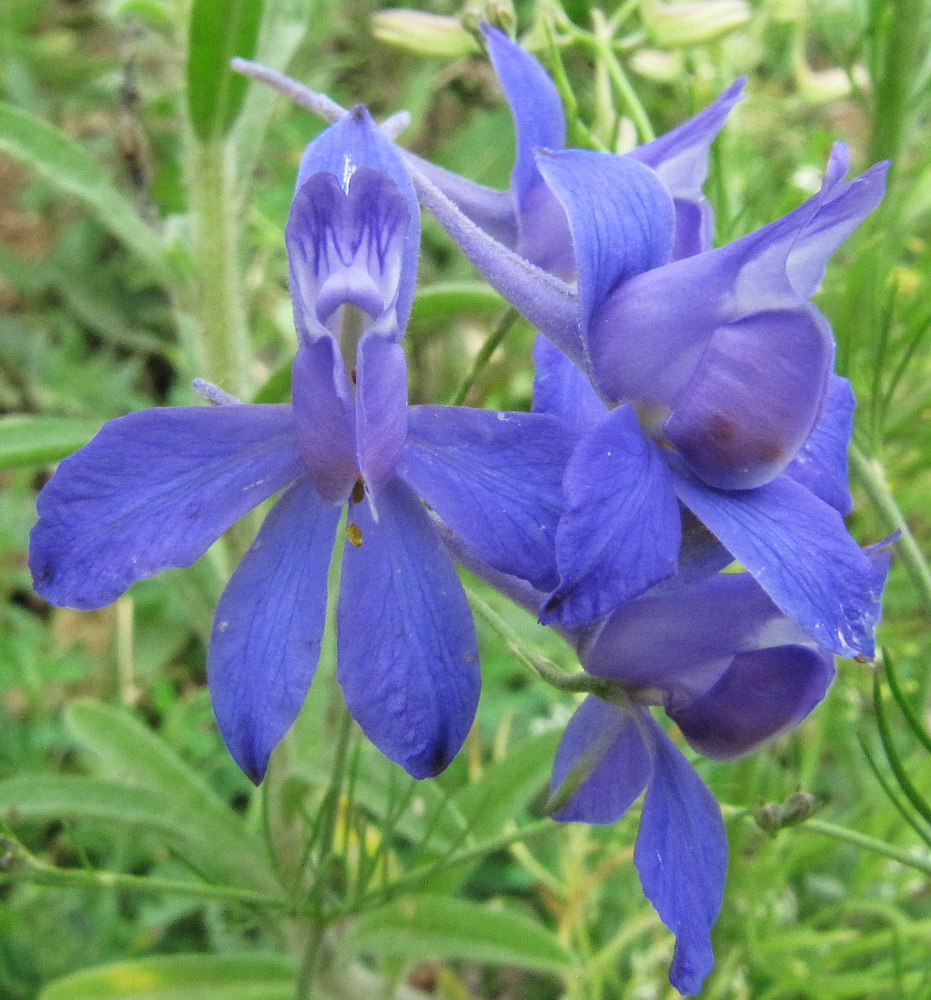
156	488
715	365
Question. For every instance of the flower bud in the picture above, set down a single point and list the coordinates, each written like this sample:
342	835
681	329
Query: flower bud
498	13
426	34
679	25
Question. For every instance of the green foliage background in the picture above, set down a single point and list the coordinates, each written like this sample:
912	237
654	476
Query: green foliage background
143	194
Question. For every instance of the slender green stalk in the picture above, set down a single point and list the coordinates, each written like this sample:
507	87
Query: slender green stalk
224	352
905	857
488	348
872	475
18	864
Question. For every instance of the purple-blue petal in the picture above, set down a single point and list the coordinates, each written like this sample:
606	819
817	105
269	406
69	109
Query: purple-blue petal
268	627
798	549
495	478
680	157
682	641
762	693
407	654
155	489
620	214
602	765
562	389
381	409
355	145
821	463
324	411
621	532
681	855
754	398
535	105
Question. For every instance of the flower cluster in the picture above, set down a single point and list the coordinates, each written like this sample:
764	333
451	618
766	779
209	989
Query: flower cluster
685	417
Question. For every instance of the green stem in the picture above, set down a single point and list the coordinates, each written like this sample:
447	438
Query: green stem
908	858
224	354
492	342
872	475
603	44
16	863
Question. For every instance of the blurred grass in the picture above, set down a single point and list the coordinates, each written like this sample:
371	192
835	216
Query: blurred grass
84	334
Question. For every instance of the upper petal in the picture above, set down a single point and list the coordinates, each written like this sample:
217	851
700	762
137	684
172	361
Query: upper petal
155	489
269	625
680	157
357	220
496	479
681	855
602	765
407	654
620	214
799	550
762	693
621	532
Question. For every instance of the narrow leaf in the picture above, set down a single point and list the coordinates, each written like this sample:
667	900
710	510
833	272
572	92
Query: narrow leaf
220	29
438	927
29	440
180	977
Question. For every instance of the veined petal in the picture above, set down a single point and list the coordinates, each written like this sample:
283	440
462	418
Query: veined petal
762	693
821	463
681	855
373	229
764	273
620	214
621	532
680	157
269	625
562	389
602	765
682	641
800	552
408	660
494	478
754	398
381	409
535	105
540	123
324	412
155	489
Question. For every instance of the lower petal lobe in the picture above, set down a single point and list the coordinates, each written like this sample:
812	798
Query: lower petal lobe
269	625
602	765
681	855
407	654
155	489
621	532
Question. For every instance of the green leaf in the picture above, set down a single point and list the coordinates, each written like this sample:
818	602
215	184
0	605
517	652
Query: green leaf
28	440
220	29
506	788
60	161
437	301
180	977
131	753
422	927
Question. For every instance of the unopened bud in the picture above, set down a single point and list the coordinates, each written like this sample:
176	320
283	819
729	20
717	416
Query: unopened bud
680	25
775	816
426	34
498	13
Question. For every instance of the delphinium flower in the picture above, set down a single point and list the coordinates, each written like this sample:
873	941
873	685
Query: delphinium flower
715	364
156	488
714	652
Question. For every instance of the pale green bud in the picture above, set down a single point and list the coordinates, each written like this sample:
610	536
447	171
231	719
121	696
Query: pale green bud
692	22
498	13
427	34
